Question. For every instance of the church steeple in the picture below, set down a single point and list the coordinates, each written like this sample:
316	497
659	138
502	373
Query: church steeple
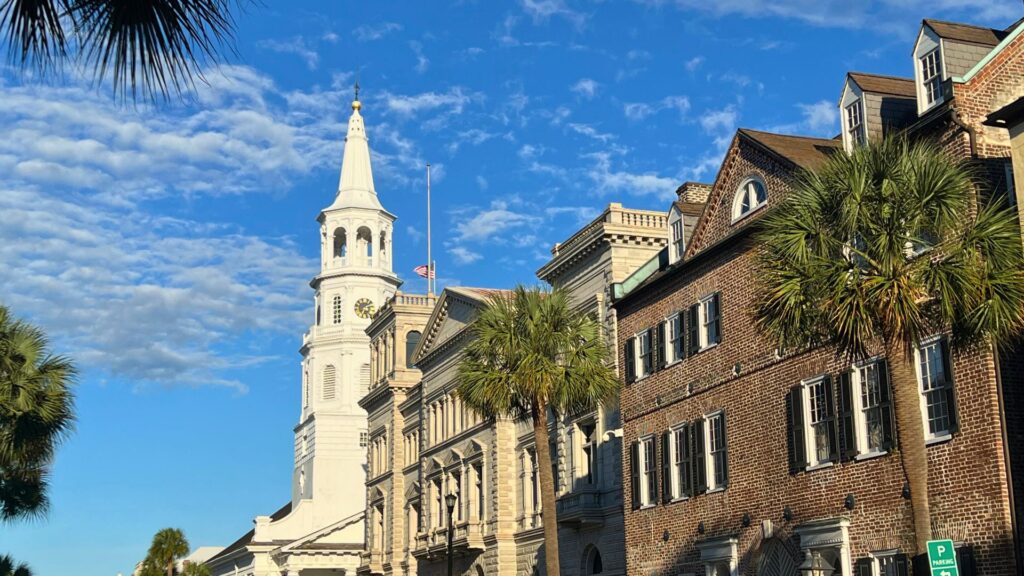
355	186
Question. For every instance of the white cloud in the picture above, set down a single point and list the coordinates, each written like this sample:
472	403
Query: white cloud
608	180
720	121
454	100
692	64
590	132
542	10
821	117
422	62
585	87
330	37
641	110
491	222
296	46
464	255
367	32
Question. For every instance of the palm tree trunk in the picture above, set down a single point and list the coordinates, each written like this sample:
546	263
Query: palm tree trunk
910	432
547	488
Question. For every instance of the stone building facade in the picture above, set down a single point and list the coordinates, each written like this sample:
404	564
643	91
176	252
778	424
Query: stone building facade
730	465
424	444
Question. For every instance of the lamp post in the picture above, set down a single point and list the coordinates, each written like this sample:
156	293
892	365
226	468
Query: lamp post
815	565
449	501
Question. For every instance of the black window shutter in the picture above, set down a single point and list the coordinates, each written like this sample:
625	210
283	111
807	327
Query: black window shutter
693	330
965	561
630	360
662	341
716	315
686	474
700	471
954	423
634	470
830	415
847	430
666	468
900	561
795	429
920	564
652	472
885	404
652	345
863	567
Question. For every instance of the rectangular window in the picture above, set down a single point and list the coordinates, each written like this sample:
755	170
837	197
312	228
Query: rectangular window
709	321
364	439
478	480
646	353
873	423
681	480
931	76
855	123
888	563
645	480
714	427
819	414
589	461
678	242
936	387
675	338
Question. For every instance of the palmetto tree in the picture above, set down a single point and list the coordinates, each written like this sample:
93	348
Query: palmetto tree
169	544
148	47
36	415
530	353
196	569
8	567
880	248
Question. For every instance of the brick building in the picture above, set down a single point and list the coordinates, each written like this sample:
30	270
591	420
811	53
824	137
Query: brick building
733	462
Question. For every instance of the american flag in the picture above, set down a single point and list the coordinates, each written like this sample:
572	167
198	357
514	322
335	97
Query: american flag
422	271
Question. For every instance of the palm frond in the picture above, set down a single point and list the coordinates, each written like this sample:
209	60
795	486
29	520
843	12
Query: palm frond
33	32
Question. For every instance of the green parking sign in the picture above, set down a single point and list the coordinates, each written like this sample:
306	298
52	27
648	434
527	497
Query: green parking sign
942	558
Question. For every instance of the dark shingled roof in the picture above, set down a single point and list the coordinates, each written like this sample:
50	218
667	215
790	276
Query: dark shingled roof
967	32
878	84
803	151
689	208
246	538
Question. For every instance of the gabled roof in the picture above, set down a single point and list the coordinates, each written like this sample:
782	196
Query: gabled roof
476	296
246	538
880	84
689	208
804	151
966	32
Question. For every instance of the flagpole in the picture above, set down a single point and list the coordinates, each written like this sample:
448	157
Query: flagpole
430	263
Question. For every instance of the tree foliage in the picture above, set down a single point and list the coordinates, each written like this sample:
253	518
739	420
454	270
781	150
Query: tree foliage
169	545
153	48
887	245
36	415
8	567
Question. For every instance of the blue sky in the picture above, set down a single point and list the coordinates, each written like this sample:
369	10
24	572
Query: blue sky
168	249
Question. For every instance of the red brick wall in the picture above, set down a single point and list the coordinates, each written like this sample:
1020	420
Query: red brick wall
967	483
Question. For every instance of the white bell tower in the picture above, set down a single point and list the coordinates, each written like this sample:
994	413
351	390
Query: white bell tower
354	280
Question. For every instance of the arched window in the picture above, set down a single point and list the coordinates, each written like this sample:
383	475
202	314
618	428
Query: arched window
750	196
364	242
340	243
336	306
330	378
592	563
412	339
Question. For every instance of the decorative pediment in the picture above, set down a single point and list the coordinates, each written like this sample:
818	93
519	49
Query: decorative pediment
412	492
455	309
453	458
475	448
434	466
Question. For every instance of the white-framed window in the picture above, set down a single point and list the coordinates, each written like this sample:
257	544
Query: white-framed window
644	473
935	378
678	238
364	439
750	196
336	309
931	77
645	352
855	123
819	415
588	452
675	338
871	410
680	478
479	495
714	439
709	320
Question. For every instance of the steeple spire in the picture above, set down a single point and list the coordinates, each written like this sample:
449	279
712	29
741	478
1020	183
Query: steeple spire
355	187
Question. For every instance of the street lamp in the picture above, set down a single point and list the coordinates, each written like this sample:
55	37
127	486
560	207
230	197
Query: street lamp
815	565
449	501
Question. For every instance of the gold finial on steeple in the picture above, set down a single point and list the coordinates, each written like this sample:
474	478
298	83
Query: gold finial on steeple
356	105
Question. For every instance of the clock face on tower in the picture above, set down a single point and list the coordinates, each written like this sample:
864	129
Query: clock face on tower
364	308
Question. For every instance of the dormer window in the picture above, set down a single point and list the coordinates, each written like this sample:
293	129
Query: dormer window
750	196
931	77
676	234
855	123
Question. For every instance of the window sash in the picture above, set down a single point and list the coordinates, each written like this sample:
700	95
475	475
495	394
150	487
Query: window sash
870	432
708	321
934	382
644	350
855	122
675	326
931	76
648	490
715	431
